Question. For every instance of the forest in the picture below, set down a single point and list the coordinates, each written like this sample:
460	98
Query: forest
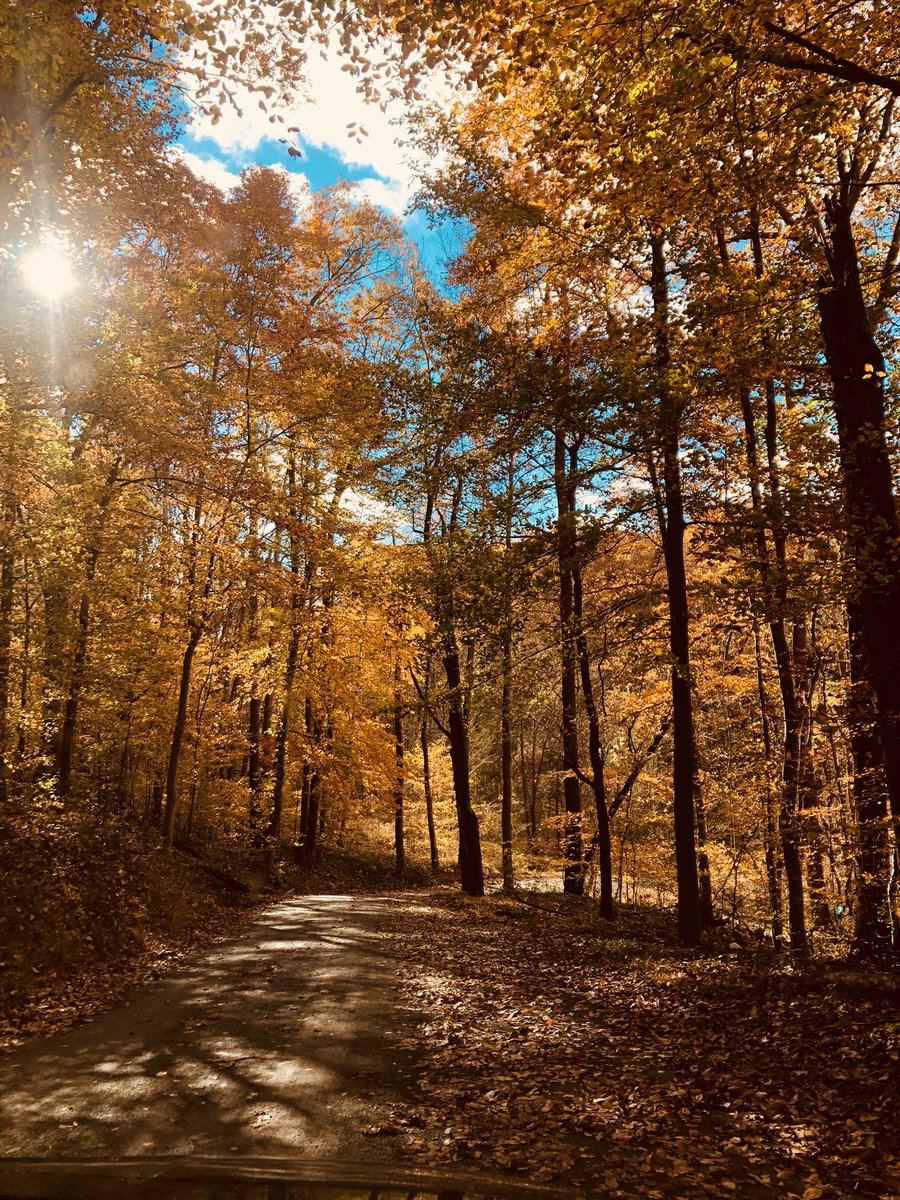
576	566
508	643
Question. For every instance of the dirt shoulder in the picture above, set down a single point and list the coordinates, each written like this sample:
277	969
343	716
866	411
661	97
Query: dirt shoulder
60	997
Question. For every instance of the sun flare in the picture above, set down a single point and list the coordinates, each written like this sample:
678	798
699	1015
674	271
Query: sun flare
47	272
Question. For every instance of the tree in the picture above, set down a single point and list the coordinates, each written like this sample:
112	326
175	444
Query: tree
625	155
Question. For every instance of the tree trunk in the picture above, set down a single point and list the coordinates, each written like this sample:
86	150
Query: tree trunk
66	744
506	749
573	878
400	775
595	755
856	366
279	766
773	579
471	868
689	915
305	782
673	527
429	799
774	587
311	843
707	915
54	683
7	602
122	797
809	789
506	766
254	774
7	567
426	775
282	734
470	864
773	860
178	737
873	936
24	675
528	792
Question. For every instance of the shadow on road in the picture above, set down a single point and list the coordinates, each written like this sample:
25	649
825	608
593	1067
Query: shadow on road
279	1041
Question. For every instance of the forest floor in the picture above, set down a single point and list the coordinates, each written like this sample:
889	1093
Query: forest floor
513	1034
604	1056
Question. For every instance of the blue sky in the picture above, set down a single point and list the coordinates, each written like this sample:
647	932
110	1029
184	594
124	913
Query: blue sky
330	116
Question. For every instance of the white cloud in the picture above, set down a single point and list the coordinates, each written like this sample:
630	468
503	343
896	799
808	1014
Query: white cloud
391	196
329	115
370	509
210	170
589	498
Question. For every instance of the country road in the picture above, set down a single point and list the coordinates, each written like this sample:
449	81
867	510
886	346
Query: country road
281	1040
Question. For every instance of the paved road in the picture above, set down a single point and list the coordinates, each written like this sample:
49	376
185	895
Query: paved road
280	1041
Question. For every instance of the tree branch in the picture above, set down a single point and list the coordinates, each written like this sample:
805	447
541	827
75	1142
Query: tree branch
888	272
444	730
824	62
639	764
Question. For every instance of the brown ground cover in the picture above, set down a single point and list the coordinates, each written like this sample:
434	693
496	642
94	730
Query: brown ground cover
562	1048
604	1056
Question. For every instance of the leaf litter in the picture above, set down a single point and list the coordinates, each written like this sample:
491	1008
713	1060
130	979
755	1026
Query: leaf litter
607	1059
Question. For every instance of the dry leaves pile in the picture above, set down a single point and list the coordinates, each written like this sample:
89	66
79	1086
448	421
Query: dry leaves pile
606	1058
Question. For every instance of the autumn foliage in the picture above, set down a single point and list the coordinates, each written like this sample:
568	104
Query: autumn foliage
590	553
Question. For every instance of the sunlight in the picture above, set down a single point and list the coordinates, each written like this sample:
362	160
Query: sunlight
47	271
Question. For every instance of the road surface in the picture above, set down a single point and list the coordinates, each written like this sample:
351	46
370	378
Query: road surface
280	1041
